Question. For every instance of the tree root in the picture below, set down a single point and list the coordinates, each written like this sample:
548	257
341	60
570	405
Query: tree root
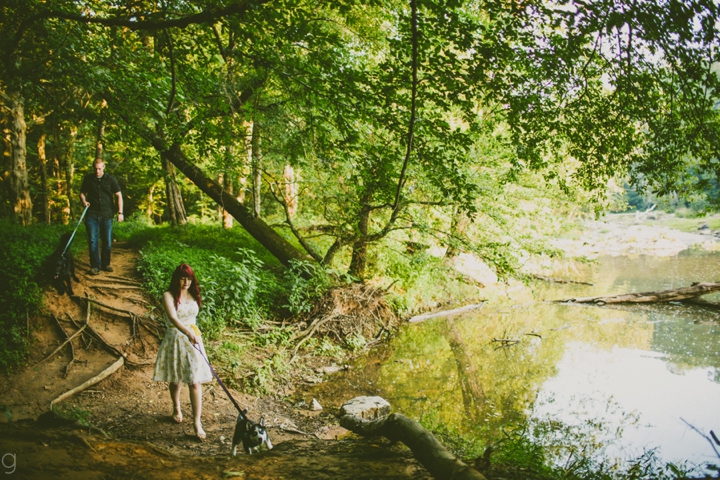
97	378
68	340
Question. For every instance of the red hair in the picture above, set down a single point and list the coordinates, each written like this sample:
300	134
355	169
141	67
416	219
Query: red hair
184	270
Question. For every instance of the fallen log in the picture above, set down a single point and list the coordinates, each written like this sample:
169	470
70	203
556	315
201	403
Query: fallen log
445	313
427	449
660	296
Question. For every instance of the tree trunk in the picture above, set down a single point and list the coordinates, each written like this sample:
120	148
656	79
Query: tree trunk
291	190
61	213
228	185
458	226
42	161
5	172
227	219
256	169
358	263
261	231
175	204
660	296
472	390
19	187
427	449
100	137
70	173
150	211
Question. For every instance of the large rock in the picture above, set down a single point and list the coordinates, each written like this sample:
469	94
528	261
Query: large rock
366	408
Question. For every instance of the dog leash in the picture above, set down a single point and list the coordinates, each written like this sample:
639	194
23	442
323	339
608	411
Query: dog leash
78	225
227	392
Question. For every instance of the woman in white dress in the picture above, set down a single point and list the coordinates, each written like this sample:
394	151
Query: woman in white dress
178	361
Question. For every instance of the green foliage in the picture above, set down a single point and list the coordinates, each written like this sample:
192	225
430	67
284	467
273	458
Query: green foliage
266	375
421	280
465	446
355	342
279	336
524	452
229	284
74	413
22	265
305	282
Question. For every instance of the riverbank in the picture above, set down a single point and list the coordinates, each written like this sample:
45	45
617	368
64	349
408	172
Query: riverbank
626	234
134	411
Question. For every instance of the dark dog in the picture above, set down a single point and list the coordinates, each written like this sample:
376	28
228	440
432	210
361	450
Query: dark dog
252	435
61	267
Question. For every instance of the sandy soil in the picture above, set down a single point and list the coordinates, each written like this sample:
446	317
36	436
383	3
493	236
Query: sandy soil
128	432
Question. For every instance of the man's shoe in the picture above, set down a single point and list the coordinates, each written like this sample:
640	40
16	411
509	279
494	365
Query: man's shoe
108	268
94	271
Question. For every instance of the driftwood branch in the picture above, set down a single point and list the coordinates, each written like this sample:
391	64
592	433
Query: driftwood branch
97	378
445	313
558	280
710	440
427	449
660	296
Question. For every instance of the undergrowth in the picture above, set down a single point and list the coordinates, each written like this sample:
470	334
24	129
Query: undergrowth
23	259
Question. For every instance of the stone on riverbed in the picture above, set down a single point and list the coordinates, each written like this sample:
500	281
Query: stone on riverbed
366	408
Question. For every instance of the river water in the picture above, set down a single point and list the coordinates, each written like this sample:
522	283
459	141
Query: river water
610	382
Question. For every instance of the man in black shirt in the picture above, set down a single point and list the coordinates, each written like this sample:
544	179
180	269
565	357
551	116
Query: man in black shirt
97	192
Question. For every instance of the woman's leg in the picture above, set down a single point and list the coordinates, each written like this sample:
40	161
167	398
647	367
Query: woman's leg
175	397
196	401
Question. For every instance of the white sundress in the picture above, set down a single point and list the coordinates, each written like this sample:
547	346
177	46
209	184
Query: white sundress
178	361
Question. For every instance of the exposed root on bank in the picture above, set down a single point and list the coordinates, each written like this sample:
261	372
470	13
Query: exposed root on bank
355	310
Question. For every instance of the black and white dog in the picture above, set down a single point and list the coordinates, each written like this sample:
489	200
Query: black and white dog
252	435
61	267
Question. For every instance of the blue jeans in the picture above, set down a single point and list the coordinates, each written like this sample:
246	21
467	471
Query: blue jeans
99	228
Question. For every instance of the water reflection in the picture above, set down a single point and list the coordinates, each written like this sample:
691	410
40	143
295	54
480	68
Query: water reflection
650	401
627	376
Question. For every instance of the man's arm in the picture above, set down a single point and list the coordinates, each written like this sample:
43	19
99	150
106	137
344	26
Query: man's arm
121	216
83	189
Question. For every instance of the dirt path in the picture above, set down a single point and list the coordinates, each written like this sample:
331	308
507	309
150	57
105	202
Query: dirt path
134	435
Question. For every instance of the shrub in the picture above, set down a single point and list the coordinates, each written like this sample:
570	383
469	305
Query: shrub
230	284
306	283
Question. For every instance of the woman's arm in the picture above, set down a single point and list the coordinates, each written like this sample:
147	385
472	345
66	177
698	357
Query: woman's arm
169	303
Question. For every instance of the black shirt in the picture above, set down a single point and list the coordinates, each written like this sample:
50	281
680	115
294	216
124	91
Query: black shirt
100	192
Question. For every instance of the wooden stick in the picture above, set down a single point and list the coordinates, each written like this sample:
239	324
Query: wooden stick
97	378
